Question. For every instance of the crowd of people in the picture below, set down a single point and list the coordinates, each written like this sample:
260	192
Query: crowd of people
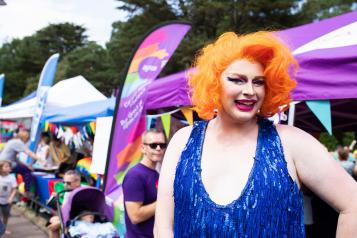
52	156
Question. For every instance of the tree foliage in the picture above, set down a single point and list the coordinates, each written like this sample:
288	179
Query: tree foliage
22	60
92	61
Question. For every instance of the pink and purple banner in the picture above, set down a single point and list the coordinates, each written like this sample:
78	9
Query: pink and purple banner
129	118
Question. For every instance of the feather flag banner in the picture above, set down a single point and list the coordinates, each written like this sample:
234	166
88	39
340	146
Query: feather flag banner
46	80
129	121
2	81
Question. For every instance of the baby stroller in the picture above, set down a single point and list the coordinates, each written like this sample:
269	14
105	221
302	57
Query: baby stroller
88	199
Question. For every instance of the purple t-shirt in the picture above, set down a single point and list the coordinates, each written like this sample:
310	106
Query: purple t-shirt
140	185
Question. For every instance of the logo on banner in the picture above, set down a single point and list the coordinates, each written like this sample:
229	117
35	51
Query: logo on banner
149	67
42	93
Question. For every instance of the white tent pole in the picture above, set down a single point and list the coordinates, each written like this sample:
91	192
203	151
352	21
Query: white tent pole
291	116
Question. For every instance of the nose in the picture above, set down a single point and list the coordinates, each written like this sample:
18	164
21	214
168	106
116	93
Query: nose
248	89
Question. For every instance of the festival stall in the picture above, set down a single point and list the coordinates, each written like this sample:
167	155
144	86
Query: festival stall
61	95
326	52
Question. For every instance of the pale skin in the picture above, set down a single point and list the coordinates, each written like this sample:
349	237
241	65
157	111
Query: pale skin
138	212
229	146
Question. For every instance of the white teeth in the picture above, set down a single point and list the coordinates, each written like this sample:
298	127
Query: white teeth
246	103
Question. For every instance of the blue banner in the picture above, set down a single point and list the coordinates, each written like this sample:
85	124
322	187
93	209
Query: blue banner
45	83
2	80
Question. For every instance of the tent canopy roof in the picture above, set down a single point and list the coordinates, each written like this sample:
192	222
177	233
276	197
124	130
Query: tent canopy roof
66	93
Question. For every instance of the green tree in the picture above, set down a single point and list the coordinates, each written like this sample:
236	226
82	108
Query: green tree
208	18
314	10
23	59
92	62
17	67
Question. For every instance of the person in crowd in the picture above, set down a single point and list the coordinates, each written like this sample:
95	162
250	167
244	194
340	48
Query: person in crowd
59	151
341	148
10	152
43	154
71	180
343	154
140	186
86	149
8	188
61	156
235	174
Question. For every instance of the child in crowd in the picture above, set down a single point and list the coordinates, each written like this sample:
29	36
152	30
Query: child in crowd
86	227
8	187
44	159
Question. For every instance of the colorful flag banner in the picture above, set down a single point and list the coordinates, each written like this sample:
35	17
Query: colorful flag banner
129	121
166	123
46	80
322	110
188	113
149	120
2	81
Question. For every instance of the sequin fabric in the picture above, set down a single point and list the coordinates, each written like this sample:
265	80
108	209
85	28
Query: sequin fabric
270	205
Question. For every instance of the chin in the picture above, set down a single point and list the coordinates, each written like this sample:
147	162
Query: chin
239	116
244	116
156	160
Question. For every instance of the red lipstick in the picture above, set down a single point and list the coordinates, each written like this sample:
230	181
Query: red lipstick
245	105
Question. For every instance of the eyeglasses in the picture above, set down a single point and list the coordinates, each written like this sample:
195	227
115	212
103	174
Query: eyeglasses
155	145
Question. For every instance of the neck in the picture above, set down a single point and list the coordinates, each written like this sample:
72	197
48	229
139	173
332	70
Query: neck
148	163
228	126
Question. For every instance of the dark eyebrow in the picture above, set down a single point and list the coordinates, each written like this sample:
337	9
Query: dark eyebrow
259	77
242	76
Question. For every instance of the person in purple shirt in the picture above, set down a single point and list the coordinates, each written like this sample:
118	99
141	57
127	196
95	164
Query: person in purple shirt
140	187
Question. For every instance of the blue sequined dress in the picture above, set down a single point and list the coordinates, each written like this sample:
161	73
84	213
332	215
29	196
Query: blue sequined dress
270	205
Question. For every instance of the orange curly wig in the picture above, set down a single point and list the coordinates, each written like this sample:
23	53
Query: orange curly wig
262	47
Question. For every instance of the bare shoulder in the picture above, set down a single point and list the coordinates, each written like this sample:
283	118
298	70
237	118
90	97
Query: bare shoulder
176	145
179	139
289	130
183	133
298	142
294	135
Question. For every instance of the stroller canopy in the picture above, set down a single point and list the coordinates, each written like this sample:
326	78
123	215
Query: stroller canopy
85	199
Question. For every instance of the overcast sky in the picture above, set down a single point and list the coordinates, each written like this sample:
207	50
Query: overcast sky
21	18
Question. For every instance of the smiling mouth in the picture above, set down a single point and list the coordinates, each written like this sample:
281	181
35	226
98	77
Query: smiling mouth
245	105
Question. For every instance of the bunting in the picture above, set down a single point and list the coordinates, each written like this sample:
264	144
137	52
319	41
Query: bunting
166	122
188	113
322	110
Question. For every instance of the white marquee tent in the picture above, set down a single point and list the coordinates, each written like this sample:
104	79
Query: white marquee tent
66	93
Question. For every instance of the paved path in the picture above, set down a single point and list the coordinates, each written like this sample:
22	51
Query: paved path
22	224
